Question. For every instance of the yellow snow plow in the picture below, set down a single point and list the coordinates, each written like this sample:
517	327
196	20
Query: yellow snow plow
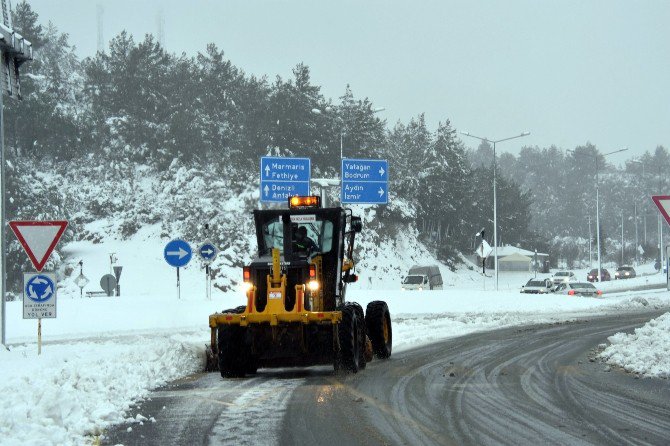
295	312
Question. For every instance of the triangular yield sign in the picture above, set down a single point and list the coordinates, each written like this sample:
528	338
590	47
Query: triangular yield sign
38	238
662	202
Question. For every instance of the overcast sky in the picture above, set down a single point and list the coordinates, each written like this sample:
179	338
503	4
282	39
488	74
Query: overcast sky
567	71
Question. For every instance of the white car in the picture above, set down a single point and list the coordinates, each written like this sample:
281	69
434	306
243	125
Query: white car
537	286
563	277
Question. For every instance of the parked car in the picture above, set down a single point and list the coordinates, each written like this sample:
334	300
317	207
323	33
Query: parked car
592	276
625	272
563	277
538	286
578	289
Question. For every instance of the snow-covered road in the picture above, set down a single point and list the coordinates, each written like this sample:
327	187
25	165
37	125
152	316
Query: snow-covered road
104	355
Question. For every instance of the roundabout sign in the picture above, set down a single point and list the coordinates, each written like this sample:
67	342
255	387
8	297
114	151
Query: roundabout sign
39	295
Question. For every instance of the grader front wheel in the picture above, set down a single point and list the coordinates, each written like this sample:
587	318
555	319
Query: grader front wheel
349	337
378	324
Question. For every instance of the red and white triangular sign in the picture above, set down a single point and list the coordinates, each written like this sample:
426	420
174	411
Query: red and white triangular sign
662	202
38	238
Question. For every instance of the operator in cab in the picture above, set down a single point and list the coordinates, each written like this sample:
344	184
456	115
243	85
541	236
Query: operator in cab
302	243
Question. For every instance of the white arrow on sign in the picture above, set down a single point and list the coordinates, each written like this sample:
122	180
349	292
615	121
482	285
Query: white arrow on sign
380	192
267	171
181	253
208	252
266	190
381	171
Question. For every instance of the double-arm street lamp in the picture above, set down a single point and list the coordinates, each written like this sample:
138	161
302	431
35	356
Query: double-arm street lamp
495	204
329	109
600	266
325	182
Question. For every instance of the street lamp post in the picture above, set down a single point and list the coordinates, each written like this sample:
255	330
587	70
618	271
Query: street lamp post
325	182
600	265
495	203
590	253
622	246
15	50
644	216
328	109
636	240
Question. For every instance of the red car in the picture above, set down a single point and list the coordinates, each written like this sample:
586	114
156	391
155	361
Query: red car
592	276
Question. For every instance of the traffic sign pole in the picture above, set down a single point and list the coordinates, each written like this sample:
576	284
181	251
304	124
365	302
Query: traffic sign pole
177	253
39	300
3	219
207	252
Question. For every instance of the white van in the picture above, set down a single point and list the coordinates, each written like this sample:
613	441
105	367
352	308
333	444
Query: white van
423	278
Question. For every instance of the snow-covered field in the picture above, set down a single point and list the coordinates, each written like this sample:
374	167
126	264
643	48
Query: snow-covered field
646	351
103	354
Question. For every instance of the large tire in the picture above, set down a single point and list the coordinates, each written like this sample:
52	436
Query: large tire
378	325
361	333
348	333
233	351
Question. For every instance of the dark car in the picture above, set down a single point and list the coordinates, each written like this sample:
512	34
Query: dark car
592	276
624	272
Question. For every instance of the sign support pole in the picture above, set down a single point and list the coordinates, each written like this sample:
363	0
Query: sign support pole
178	286
39	336
3	219
208	294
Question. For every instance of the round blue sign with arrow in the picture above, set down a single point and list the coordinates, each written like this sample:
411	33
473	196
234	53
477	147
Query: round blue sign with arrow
207	252
177	253
40	288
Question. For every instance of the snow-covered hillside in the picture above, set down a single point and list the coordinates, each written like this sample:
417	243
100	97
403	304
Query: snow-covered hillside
132	211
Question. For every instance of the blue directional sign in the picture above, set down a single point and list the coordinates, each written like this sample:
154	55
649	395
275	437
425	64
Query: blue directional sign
364	181
282	178
207	252
177	253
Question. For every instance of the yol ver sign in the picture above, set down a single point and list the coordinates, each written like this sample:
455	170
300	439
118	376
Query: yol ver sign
282	178
365	181
38	238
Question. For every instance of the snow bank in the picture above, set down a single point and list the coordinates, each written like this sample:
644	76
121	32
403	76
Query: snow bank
79	388
645	351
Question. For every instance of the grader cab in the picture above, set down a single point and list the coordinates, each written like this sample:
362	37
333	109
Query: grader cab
295	312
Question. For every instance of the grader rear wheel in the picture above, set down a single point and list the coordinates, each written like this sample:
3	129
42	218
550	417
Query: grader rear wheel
361	334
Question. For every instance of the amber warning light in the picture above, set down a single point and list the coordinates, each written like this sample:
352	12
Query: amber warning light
310	201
